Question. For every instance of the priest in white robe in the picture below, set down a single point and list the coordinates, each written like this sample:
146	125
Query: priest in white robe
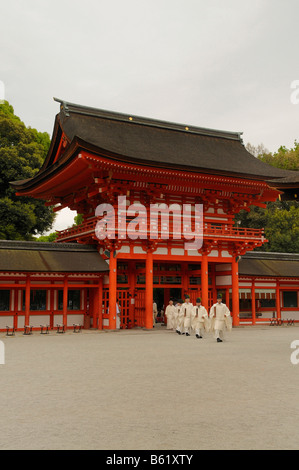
199	319
220	319
169	312
178	317
187	309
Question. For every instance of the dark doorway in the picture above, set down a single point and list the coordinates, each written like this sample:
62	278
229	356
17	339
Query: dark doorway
163	295
159	298
175	294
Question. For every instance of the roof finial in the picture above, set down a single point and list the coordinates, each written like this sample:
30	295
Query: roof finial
63	106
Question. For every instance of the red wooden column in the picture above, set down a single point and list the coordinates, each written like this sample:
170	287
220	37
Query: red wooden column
65	302
112	290
149	289
253	303
205	281
278	306
235	292
51	313
27	301
15	309
100	295
227	297
132	277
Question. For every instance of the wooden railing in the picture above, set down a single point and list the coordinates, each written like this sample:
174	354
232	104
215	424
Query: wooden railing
219	231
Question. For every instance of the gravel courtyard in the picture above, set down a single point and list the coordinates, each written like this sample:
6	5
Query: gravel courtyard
138	389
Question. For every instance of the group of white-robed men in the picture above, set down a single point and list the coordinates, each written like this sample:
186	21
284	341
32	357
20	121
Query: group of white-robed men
183	317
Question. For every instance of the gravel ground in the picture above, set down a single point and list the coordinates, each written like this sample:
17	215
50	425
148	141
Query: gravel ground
138	389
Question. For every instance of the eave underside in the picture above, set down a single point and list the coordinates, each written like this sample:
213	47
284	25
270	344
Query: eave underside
88	172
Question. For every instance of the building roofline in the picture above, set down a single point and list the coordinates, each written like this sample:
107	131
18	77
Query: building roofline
68	107
44	246
267	255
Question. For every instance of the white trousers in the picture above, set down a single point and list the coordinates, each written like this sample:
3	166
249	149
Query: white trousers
199	331
219	334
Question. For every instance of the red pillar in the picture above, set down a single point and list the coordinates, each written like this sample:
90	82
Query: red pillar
149	290
65	302
132	276
205	281
227	297
235	292
278	306
253	303
112	290
100	294
16	305
27	301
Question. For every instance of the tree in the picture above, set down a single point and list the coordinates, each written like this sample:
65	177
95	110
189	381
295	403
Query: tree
47	238
280	219
78	219
22	152
256	151
282	229
287	159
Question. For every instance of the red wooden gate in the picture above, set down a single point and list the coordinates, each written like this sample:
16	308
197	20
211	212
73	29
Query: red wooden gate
140	308
124	304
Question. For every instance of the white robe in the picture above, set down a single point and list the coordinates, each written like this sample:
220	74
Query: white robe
176	313
180	319
155	312
220	317
199	318
169	312
187	309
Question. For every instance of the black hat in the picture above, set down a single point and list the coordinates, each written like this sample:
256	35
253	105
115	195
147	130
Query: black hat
198	300
181	301
219	296
187	296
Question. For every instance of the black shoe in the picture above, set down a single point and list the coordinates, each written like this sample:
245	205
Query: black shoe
219	340
197	336
200	336
187	334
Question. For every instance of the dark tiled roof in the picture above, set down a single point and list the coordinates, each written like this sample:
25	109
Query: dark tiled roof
49	257
292	179
269	264
159	142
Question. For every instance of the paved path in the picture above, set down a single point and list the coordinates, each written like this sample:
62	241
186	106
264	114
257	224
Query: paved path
138	389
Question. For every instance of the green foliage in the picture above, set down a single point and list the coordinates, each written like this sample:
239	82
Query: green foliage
281	223
47	238
282	229
78	219
22	152
287	159
280	219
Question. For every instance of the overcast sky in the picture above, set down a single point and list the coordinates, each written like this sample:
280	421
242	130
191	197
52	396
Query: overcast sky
221	64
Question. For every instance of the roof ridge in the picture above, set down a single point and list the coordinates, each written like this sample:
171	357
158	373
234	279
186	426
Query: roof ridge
68	107
270	255
43	246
